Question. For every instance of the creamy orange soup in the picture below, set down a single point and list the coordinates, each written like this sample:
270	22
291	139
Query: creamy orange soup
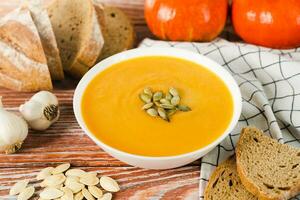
112	110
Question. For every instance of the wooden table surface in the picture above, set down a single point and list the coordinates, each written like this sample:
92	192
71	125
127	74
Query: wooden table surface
66	142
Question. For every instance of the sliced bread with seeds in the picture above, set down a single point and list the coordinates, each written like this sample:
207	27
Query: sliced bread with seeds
268	169
77	33
225	183
41	20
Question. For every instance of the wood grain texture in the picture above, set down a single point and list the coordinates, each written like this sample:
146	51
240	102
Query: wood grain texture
66	142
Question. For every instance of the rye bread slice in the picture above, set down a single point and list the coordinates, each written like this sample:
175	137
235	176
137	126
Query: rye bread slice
23	64
42	22
225	183
268	169
77	33
118	32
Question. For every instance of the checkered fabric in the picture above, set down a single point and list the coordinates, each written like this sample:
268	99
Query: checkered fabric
270	85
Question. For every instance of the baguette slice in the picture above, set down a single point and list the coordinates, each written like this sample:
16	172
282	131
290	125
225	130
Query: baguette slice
41	20
118	32
23	65
226	184
268	169
77	33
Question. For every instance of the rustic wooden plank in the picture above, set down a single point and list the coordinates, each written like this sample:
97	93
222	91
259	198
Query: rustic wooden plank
136	183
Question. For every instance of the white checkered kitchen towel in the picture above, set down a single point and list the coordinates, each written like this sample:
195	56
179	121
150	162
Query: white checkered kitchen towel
270	85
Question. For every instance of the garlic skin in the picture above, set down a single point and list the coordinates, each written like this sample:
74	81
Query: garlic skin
13	131
41	111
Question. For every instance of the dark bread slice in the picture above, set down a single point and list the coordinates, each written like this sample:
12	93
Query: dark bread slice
268	169
118	32
225	183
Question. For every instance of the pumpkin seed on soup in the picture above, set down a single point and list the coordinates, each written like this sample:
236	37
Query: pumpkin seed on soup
175	100
147	106
157	96
173	92
145	98
148	91
183	108
152	112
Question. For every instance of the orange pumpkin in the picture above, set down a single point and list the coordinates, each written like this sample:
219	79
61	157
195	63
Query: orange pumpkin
270	23
186	20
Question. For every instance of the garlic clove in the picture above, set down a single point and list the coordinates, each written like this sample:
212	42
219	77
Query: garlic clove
46	98
40	125
31	110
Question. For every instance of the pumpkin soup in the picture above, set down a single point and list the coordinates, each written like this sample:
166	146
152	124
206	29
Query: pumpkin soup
112	109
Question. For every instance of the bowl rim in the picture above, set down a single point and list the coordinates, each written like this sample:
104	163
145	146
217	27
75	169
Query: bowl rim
168	52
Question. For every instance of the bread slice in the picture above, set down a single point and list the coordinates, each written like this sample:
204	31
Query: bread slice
23	65
42	22
118	32
268	169
77	33
225	183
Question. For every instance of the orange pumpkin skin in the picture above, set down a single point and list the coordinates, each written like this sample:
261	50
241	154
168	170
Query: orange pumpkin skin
270	23
186	20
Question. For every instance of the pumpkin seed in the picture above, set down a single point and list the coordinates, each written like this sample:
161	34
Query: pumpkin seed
18	187
78	196
145	98
173	92
73	178
183	108
162	113
164	101
152	112
167	106
106	196
75	172
51	193
109	184
175	100
44	173
148	91
87	194
168	96
68	194
54	180
61	168
89	179
74	185
157	96
95	191
171	112
26	193
147	106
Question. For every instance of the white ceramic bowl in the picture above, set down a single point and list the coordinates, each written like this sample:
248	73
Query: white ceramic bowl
158	162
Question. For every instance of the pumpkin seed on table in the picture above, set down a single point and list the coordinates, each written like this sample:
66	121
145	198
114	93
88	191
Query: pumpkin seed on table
26	193
54	180
68	194
61	168
74	185
87	194
106	196
18	187
78	196
89	179
95	191
51	193
44	173
75	172
109	184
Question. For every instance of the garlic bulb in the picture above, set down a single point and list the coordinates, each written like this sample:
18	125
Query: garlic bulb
41	110
13	131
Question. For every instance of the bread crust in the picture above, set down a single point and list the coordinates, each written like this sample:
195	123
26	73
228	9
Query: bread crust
249	184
